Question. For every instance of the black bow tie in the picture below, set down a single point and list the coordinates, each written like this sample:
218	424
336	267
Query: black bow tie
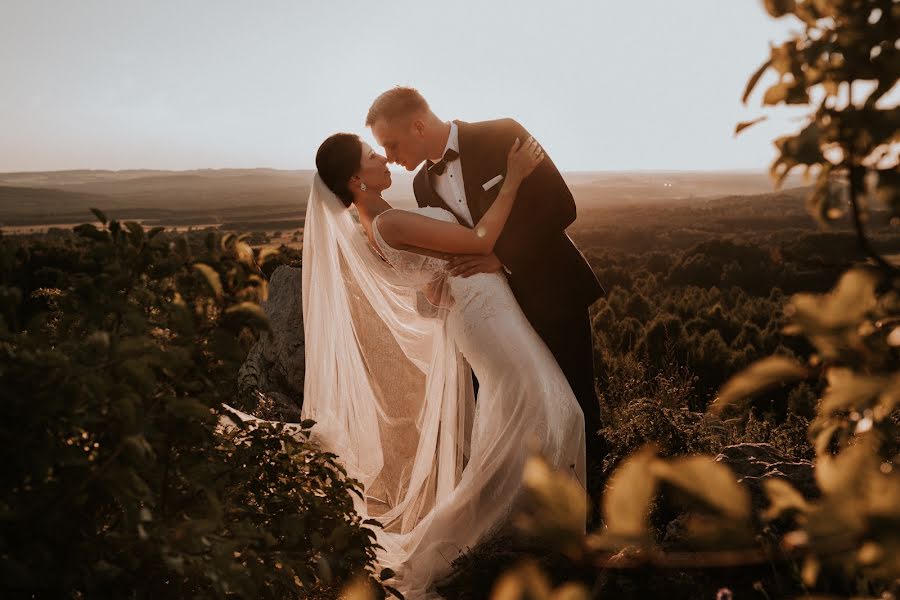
440	166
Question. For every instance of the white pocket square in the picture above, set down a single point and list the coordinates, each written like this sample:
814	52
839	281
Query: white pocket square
492	182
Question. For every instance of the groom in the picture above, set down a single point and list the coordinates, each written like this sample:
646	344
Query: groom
549	276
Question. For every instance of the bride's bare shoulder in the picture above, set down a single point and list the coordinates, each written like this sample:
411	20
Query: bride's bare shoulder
396	225
391	222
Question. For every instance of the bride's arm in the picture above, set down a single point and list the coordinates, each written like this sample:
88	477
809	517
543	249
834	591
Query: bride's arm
403	229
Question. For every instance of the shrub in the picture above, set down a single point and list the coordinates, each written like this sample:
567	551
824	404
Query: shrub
118	347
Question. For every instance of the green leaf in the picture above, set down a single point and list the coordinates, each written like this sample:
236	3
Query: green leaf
244	253
779	8
708	480
783	57
761	375
818	201
138	447
90	231
136	346
212	278
251	313
809	573
137	373
559	502
187	408
776	93
626	502
745	124
782	497
754	79
226	239
803	148
848	390
99	214
824	437
137	232
831	321
114	229
846	473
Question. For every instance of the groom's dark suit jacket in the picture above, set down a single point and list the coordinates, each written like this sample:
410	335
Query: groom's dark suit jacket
549	276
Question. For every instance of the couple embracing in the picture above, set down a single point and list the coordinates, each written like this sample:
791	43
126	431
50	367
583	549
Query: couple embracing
445	343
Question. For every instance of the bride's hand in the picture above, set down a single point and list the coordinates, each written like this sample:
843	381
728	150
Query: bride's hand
523	159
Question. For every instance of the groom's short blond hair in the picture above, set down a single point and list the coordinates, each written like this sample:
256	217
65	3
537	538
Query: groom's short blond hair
397	102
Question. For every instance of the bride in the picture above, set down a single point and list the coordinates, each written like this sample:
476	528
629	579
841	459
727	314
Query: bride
391	342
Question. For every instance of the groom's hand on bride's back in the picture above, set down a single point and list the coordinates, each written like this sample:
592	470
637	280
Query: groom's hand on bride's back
466	265
547	197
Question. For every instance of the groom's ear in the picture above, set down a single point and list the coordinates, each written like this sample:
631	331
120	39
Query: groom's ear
418	126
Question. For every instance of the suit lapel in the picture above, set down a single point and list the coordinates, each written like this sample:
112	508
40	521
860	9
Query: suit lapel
472	164
438	201
423	187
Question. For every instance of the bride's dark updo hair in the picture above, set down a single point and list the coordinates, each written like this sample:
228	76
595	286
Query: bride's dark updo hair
337	160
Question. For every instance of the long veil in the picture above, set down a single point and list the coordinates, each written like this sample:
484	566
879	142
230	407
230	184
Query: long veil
386	386
389	391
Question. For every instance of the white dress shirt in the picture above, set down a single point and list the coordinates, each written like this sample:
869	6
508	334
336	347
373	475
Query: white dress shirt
450	185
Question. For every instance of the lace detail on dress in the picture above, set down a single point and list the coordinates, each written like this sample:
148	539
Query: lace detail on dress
418	269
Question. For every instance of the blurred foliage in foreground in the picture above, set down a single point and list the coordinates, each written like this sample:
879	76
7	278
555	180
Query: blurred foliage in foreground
845	538
117	348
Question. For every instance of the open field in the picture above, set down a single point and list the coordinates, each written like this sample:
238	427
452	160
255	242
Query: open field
267	199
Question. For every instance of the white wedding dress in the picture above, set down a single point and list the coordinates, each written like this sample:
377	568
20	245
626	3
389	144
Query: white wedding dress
524	404
390	389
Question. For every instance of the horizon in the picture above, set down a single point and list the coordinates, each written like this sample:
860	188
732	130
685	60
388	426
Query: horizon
605	87
724	170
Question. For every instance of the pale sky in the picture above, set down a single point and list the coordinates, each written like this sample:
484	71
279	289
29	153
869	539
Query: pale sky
163	84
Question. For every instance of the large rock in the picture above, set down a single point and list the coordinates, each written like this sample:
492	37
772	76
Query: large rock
274	370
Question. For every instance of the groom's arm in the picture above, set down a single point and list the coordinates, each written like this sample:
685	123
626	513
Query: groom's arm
544	205
544	195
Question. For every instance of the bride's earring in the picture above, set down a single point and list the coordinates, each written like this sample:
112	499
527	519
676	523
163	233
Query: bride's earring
362	186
